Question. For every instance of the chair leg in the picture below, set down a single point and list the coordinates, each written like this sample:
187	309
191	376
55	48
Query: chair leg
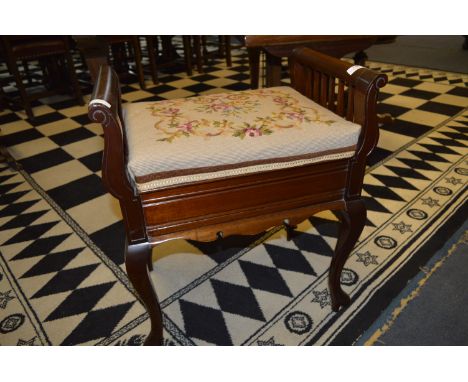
27	72
360	58
55	75
138	64
204	45
3	101
136	262
254	64
227	50
352	223
72	76
220	46
22	91
198	53
150	262
152	43
289	230
188	54
118	57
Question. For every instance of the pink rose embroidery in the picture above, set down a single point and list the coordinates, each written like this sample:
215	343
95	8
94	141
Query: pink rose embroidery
220	106
281	101
252	132
293	115
171	111
187	127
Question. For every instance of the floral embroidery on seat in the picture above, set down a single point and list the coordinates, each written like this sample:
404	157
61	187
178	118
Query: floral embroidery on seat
229	105
228	115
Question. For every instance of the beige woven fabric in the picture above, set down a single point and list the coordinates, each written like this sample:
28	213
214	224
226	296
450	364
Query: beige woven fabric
192	139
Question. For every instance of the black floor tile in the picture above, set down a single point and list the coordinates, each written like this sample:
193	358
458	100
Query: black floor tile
441	108
46	118
71	136
237	86
21	137
45	160
64	104
77	192
243	68
459	91
168	78
7	118
92	161
154	98
383	96
416	93
163	88
406	128
404	82
203	77
239	77
394	110
199	88
82	119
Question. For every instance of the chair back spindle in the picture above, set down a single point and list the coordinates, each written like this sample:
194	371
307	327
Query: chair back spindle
336	87
340	100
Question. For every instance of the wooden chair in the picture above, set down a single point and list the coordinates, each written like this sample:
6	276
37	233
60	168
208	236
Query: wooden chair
168	54
119	54
221	190
51	51
195	47
202	54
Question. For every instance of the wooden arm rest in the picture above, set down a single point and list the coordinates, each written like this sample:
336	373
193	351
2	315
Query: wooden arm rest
105	108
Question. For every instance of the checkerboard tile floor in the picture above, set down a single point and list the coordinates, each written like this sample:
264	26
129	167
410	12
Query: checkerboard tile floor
62	153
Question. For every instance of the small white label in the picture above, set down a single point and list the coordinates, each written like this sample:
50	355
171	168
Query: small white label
353	68
100	102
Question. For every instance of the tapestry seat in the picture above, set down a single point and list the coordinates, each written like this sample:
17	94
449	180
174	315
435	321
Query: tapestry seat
220	135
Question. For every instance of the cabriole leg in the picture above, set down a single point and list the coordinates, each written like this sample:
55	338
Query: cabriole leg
137	261
352	223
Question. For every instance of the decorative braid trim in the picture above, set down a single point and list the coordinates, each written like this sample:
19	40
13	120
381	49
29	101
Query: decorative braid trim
156	184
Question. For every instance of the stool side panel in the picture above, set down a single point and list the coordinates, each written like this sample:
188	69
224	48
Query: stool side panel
230	201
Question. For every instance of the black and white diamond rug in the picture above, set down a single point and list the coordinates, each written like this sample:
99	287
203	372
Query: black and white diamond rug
62	277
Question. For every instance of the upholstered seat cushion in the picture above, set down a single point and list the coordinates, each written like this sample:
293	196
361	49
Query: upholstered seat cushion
221	135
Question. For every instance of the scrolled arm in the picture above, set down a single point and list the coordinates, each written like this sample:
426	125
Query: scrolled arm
104	108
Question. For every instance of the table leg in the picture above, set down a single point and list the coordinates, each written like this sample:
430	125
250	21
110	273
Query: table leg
254	64
273	70
94	50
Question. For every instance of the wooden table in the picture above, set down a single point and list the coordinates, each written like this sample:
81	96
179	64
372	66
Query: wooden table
277	47
95	50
